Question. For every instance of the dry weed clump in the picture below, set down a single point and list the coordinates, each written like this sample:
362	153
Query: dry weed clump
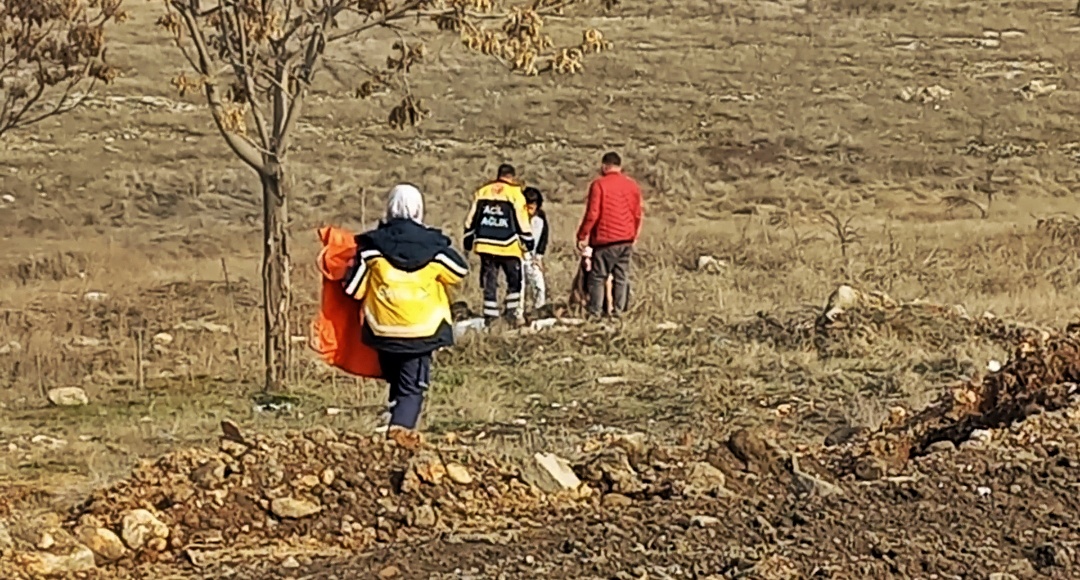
1062	229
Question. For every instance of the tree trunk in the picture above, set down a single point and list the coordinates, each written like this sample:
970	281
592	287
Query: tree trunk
275	280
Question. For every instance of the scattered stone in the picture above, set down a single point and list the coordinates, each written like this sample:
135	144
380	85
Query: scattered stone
1003	576
291	508
140	526
841	435
95	296
290	563
105	543
704	521
606	381
389	572
203	325
667	326
77	558
458	474
68	397
210	474
163	339
1034	89
50	442
941	447
11	347
704	479
423	516
327	477
710	264
7	198
424	468
47	541
86	341
554	473
616	500
925	95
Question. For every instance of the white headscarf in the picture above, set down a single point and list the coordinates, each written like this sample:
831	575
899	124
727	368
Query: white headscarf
406	202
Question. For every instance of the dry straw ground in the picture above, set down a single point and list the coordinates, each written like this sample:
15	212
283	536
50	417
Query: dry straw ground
922	149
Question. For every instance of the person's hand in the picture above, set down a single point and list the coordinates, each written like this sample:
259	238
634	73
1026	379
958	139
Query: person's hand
582	244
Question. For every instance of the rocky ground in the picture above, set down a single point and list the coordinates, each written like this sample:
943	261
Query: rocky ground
980	484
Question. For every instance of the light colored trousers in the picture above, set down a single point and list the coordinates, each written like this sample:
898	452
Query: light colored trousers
534	284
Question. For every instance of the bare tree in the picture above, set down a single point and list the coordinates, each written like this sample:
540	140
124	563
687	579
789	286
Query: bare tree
254	60
52	54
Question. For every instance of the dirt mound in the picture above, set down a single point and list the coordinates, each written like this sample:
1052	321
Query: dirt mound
338	489
1041	375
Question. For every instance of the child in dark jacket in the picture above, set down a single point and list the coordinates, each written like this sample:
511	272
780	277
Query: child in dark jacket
534	260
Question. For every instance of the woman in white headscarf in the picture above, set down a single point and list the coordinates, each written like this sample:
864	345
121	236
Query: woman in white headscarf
405	202
402	273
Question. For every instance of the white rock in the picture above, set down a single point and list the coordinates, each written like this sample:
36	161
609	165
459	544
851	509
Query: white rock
103	542
290	508
983	491
163	339
85	341
95	296
140	526
462	327
290	563
47	541
39	564
704	521
993	366
458	473
68	397
558	473
8	198
47	441
11	347
610	380
710	264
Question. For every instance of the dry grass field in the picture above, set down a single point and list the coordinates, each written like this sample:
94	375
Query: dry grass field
925	150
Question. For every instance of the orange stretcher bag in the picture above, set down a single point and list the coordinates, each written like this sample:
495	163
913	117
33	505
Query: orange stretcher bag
335	332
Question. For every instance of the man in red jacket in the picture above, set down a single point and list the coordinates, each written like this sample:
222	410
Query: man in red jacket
610	227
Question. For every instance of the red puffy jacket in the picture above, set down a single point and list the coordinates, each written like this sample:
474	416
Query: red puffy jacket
613	214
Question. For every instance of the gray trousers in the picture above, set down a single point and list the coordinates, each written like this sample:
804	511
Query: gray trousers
611	261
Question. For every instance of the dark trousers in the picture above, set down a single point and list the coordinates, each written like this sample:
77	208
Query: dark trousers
409	376
614	261
490	267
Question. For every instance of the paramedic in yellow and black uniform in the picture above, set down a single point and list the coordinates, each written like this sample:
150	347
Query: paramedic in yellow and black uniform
402	274
498	230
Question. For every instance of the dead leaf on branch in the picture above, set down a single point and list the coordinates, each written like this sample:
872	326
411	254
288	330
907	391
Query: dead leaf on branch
54	49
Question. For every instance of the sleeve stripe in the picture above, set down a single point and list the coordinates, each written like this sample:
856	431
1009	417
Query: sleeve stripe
358	276
361	271
452	264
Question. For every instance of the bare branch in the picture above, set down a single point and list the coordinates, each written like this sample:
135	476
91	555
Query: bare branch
405	9
247	151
